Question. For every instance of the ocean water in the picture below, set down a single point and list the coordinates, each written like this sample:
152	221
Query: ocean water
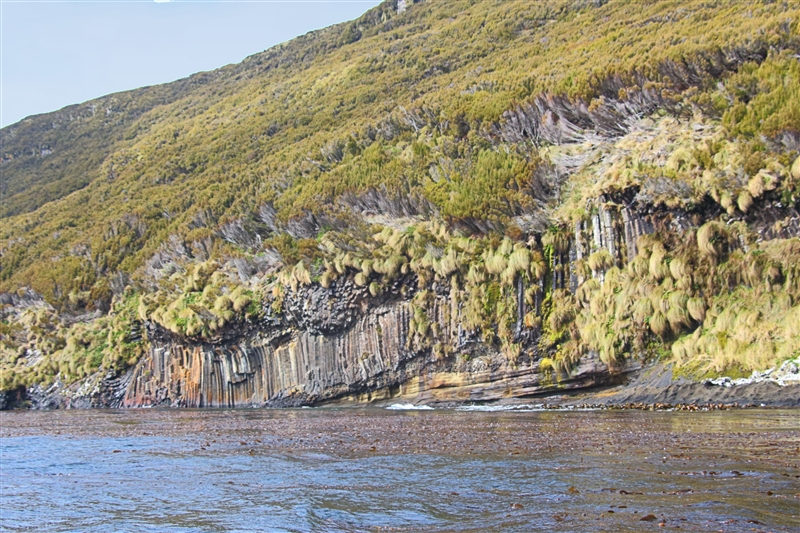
401	469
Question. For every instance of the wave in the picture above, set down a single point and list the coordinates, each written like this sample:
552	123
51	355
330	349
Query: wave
409	407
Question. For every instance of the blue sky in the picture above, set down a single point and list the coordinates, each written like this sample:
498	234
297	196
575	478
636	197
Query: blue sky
56	53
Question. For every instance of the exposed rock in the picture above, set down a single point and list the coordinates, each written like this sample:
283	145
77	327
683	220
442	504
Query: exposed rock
24	298
100	390
634	227
368	361
787	374
340	343
764	394
656	385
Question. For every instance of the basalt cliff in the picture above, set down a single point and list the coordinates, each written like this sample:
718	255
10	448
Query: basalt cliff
439	202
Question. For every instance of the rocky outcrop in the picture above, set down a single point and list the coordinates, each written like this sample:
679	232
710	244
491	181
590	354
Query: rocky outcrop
370	360
776	387
100	390
342	344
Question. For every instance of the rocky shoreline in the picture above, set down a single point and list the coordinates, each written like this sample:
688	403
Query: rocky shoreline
645	388
775	387
655	388
701	395
337	346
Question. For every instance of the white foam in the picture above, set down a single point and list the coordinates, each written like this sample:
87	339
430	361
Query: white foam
409	407
787	374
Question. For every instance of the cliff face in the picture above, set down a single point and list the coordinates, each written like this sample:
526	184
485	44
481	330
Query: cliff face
369	361
340	343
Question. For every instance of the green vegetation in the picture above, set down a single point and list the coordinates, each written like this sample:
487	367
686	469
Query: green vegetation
458	144
205	304
69	351
726	308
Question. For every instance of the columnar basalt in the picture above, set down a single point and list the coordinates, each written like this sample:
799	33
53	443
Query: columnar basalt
343	343
368	361
339	343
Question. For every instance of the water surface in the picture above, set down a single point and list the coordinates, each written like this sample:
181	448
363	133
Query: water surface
353	470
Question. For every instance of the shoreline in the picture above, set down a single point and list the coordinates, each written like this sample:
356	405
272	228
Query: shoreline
651	387
685	397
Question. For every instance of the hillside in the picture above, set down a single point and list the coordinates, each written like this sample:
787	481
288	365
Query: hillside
519	185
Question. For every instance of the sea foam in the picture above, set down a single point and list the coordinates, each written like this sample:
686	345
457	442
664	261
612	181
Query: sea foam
409	407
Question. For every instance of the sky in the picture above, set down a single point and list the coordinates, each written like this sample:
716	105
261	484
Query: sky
59	52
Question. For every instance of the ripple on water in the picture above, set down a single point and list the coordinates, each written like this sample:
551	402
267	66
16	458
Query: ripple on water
403	470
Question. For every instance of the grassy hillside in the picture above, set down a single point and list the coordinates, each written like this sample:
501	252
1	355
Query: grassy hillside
458	141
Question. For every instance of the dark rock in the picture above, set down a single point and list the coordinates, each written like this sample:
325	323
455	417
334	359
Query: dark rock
346	356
